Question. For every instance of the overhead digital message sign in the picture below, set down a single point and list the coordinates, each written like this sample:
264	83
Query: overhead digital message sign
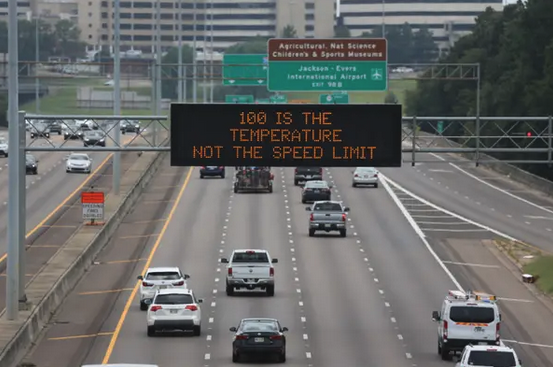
286	135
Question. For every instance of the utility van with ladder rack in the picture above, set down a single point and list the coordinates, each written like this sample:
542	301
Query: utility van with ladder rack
467	318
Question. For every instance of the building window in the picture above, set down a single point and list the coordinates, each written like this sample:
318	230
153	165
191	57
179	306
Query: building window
104	37
104	25
140	37
142	15
142	5
104	15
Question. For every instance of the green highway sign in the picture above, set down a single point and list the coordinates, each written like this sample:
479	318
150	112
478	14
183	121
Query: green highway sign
309	65
279	98
236	70
339	98
440	127
239	99
263	100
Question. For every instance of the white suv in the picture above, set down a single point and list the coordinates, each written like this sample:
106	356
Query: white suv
486	356
467	318
175	309
157	279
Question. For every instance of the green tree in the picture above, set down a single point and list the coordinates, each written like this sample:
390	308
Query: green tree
170	72
289	32
390	98
67	36
342	32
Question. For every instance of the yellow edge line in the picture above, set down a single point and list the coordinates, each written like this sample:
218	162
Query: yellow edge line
64	202
130	300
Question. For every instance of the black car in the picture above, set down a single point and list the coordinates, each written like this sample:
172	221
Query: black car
40	130
304	174
31	165
72	132
316	191
260	337
55	127
94	138
211	171
129	127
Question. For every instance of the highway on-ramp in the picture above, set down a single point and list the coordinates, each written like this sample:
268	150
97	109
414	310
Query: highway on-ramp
364	300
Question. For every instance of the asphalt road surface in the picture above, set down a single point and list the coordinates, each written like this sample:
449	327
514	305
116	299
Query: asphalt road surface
364	300
482	196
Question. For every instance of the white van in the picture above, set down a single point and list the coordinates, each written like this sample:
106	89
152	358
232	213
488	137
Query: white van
467	318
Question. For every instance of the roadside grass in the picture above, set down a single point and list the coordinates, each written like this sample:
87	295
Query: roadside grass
542	269
397	86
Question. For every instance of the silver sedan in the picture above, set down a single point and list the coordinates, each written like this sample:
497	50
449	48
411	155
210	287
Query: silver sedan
365	176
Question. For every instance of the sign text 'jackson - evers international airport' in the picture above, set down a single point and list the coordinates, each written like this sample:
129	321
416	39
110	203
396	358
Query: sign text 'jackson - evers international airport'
285	135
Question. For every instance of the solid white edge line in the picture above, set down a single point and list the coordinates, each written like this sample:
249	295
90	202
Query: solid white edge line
438	208
495	187
384	180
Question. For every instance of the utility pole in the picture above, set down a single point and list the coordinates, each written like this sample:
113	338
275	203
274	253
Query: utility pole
194	66
158	70
117	94
37	61
205	54
180	70
212	80
383	18
14	186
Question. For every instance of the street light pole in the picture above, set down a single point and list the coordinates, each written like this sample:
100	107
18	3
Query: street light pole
37	60
212	80
205	58
194	66
383	18
158	70
117	94
180	75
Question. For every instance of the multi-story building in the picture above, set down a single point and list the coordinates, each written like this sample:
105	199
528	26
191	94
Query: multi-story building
225	21
448	20
23	9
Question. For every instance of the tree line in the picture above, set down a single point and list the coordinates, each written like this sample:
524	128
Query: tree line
59	39
514	48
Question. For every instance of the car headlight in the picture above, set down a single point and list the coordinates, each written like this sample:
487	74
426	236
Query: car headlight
87	139
101	140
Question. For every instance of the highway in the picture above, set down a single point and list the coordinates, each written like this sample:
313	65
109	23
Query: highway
364	300
466	190
51	216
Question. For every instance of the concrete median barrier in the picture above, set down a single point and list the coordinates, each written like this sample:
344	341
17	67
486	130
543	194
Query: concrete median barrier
47	289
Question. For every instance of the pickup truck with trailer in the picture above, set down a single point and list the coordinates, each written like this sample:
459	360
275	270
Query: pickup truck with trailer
327	216
250	269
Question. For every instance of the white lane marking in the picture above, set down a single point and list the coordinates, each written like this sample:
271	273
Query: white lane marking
400	337
298	290
408	355
218	270
302	319
386	304
207	356
471	265
216	280
208	338
211	320
528	223
537	217
308	355
293	259
213	304
376	280
292	250
361	250
381	291
221	251
300	303
214	291
297	279
393	319
528	344
305	337
495	187
384	180
515	300
365	259
548	229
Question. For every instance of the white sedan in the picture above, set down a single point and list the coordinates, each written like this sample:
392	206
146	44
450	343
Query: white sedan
78	162
365	176
175	310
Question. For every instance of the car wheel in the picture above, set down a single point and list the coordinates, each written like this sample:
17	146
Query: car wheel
59	133
223	175
439	348
343	233
66	171
270	189
303	201
296	182
235	358
151	331
353	185
197	330
311	233
143	306
282	357
376	186
444	353
271	290
123	132
229	290
35	172
201	176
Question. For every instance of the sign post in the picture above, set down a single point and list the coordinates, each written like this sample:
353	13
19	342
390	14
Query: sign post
279	98
93	207
229	98
237	72
310	65
335	98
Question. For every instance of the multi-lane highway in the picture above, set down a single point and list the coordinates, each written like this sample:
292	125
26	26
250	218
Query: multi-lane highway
481	195
362	300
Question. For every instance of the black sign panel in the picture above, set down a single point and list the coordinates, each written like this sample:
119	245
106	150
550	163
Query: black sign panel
286	135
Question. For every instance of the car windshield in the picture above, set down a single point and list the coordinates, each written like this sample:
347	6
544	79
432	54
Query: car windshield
173	299
492	358
308	169
250	257
365	170
30	158
259	326
166	275
92	134
78	158
483	315
330	207
3	141
316	184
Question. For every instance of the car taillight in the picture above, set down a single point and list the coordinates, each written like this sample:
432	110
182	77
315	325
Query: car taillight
178	284
221	167
321	171
191	308
497	328
272	272
276	337
155	308
445	330
229	271
343	217
295	170
146	284
356	175
311	217
241	337
203	167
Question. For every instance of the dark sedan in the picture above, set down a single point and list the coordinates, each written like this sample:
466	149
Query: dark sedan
316	191
129	127
40	130
94	138
211	171
31	165
72	132
259	337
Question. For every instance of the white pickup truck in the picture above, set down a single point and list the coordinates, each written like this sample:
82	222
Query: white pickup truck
250	269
